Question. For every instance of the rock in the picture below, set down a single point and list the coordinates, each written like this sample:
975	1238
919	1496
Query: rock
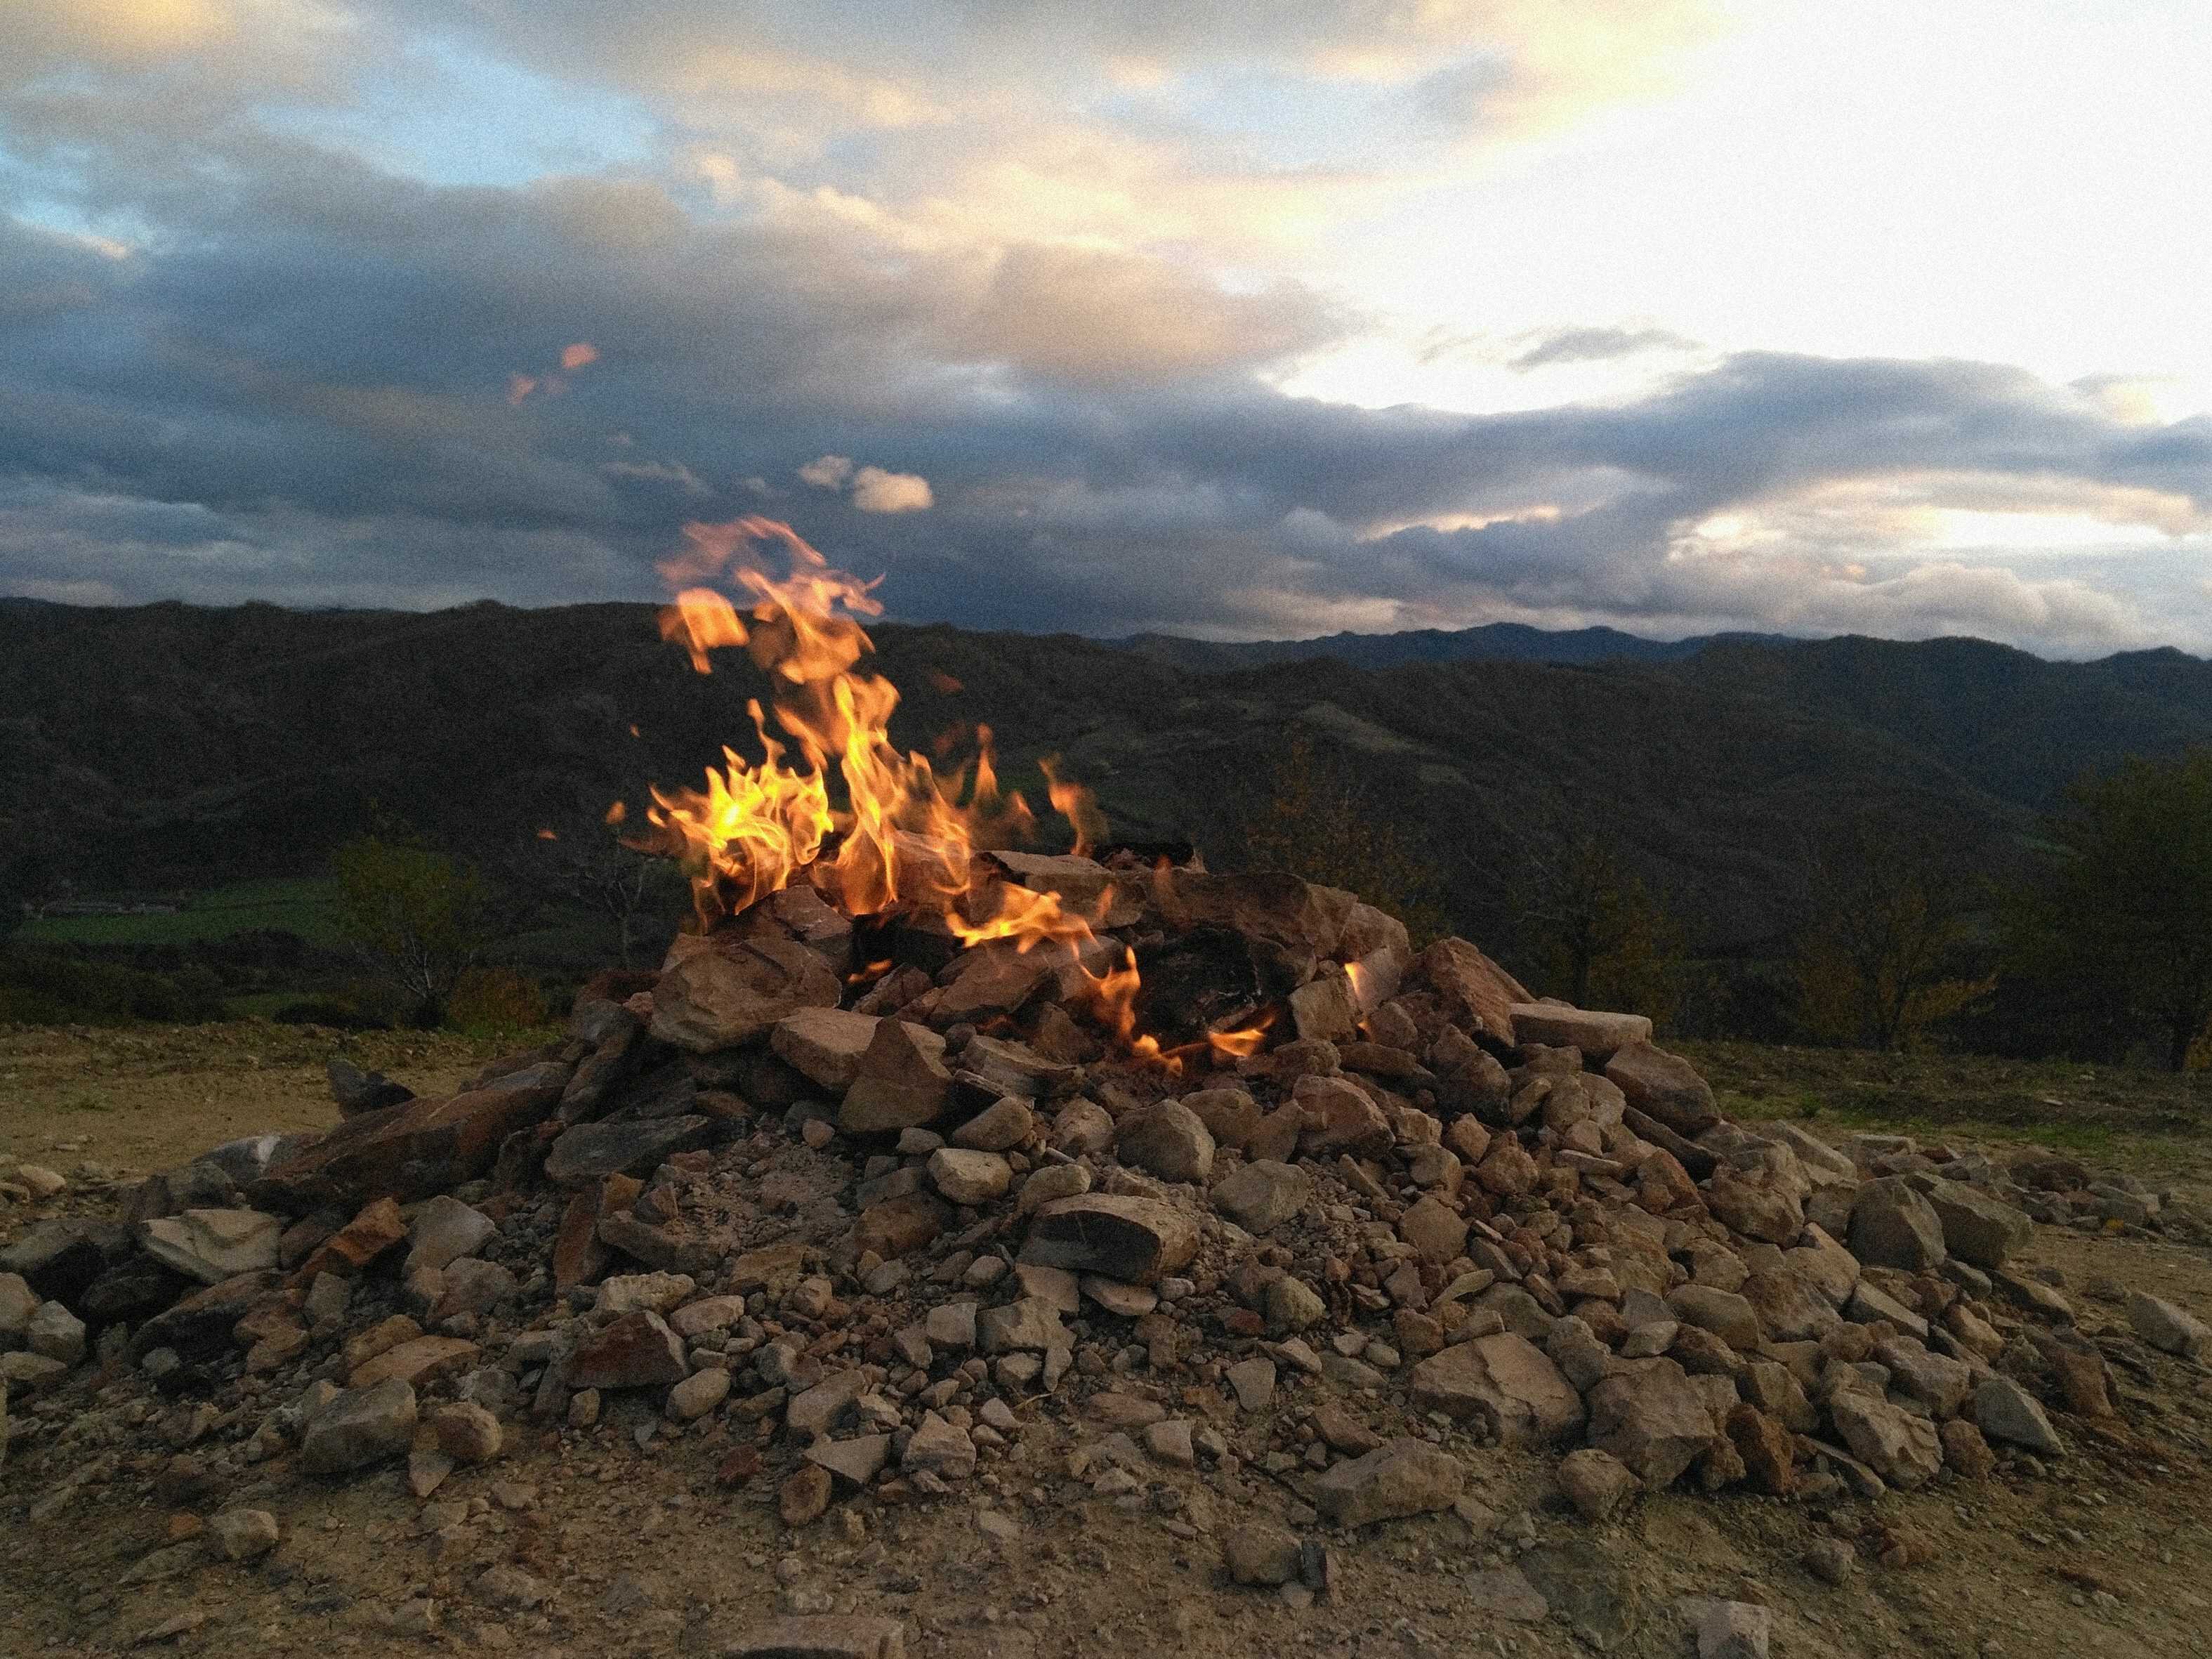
1979	1230
1471	986
2166	1328
1126	1300
856	1462
1031	1325
1587	1586
1254	1380
736	989
1596	1483
654	1292
213	1245
1231	1116
1652	1417
1506	1593
637	1351
1965	1450
375	1229
901	1081
1170	1442
1436	1231
1733	1629
1505	1380
1831	1560
1054	1181
941	1448
1754	1207
1893	1226
824	1045
968	1177
466	1432
1167	1140
1000	1126
360	1426
407	1152
824	1637
1259	1554
804	1495
1139	1240
444	1230
698	1393
1083	1127
1902	1448
1727	1316
1506	1170
1292	1305
18	1302
897	1225
356	1091
817	1410
56	1334
2005	1411
1403	1477
1262	1195
1766	1448
1339	1117
243	1535
632	1147
1598	1036
1661	1086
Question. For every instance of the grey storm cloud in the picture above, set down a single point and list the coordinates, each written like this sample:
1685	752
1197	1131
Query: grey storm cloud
296	386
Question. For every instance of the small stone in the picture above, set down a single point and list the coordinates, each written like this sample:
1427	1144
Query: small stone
1733	1629
1260	1554
1966	1451
1170	1442
999	1127
56	1334
1262	1195
243	1535
1403	1477
1831	1560
637	1351
466	1432
2005	1411
1167	1140
698	1393
1596	1483
804	1495
444	1230
1253	1380
1292	1305
968	1177
359	1427
2168	1327
939	1447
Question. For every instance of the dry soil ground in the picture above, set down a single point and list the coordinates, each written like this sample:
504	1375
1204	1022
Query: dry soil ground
2104	1551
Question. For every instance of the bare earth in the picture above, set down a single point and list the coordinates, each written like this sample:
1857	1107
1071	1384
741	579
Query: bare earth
2106	1551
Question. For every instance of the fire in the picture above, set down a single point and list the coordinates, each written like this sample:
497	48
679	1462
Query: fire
832	801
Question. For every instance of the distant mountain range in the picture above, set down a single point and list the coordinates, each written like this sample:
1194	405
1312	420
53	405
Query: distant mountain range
166	745
1493	642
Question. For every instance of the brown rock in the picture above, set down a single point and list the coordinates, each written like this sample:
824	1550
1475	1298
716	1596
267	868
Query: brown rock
1340	1116
1475	990
1965	1451
804	1495
415	1362
1139	1240
735	989
1436	1231
1663	1086
901	1081
375	1230
1506	1170
1405	1477
1651	1417
1505	1380
824	1045
1598	1035
1767	1448
1596	1483
637	1351
1167	1140
406	1151
897	1225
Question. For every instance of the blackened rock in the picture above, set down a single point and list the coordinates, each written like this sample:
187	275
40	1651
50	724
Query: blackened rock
1139	1240
623	1146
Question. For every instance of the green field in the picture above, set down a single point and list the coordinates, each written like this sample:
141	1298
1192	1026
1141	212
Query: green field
302	905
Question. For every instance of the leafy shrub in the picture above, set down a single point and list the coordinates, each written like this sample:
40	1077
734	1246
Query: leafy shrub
494	1001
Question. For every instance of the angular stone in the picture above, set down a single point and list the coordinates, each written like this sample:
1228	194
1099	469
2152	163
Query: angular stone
444	1230
1339	1117
818	1409
1000	1126
1262	1195
2005	1411
416	1362
1767	1448
1259	1554
1902	1448
1598	1036
706	1316
940	1447
698	1393
1254	1380
1479	993
735	989
901	1081
213	1245
1031	1325
1231	1115
1402	1478
1506	1381
824	1045
466	1432
966	1177
375	1229
1893	1226
407	1152
1979	1230
243	1535
1167	1140
892	1229
1754	1207
55	1333
637	1351
2168	1327
360	1426
1733	1629
1436	1231
1596	1482
1725	1314
1652	1417
1326	1007
1663	1086
623	1146
856	1462
1139	1240
654	1292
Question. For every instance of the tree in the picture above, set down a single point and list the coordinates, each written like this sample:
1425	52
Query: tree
1890	951
419	918
1311	817
586	861
2119	930
1591	930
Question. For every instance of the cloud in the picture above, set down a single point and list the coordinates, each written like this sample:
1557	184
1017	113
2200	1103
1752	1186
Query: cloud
1590	345
827	471
875	491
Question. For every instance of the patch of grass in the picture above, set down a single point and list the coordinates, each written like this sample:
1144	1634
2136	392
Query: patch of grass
306	906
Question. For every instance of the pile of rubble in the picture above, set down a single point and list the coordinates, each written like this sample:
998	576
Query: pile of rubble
865	1214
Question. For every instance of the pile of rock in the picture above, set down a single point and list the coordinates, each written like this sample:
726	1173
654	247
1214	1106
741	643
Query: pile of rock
864	1212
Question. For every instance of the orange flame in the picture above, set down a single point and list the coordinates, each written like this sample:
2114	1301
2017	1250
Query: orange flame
888	831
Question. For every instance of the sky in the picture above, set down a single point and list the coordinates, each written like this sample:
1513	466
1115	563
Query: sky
1239	321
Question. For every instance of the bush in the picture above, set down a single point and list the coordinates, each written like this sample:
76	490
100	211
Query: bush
494	1002
46	988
